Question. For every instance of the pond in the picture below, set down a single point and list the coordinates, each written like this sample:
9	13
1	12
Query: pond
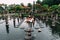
12	32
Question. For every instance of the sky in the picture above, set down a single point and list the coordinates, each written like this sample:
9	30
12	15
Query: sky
16	1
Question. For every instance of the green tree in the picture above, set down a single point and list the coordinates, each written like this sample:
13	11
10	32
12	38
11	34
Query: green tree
38	2
54	7
30	5
45	7
58	8
11	9
51	2
56	2
18	8
22	4
1	9
15	8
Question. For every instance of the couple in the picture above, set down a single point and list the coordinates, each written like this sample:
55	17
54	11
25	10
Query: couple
30	20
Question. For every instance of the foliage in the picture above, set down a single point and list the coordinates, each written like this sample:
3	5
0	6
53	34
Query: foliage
30	5
1	9
22	4
45	7
38	2
18	8
51	2
58	8
54	7
15	8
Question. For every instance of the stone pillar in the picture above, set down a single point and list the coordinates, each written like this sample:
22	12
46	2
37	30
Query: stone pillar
6	20
51	16
7	28
47	18
56	16
43	17
18	18
53	21
7	25
14	21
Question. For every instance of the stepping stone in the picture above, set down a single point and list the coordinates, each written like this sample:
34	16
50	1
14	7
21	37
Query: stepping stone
28	30
28	37
39	30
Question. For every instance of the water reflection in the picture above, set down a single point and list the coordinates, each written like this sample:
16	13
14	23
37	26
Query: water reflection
7	28
49	22
18	20
54	29
14	22
19	34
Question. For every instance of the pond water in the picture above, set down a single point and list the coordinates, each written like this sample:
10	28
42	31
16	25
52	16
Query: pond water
12	32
